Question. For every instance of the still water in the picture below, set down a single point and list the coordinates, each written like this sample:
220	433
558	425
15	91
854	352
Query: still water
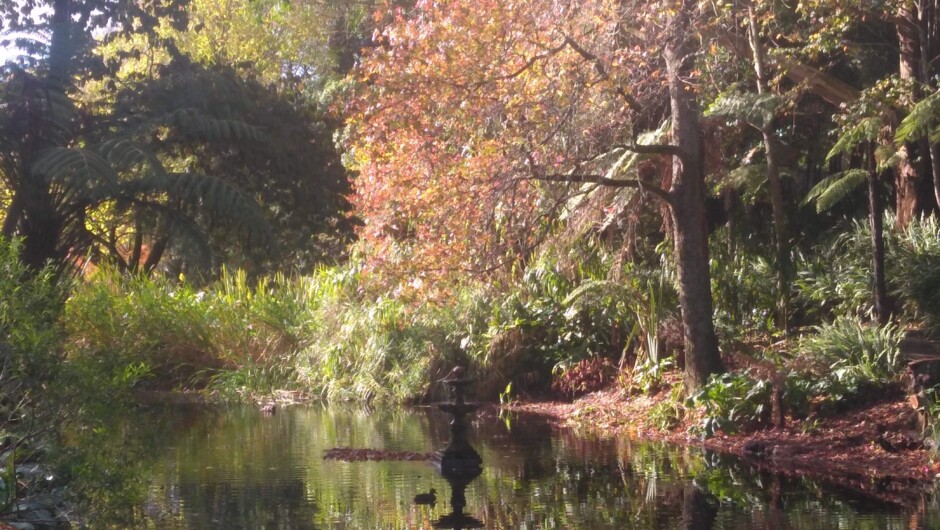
235	468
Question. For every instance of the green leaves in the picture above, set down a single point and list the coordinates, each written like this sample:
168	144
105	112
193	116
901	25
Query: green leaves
126	171
865	129
81	171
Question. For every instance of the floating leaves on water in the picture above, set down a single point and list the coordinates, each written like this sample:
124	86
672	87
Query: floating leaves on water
350	454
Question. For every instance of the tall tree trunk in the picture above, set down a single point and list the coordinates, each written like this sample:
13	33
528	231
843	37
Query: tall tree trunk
687	197
60	43
40	224
876	212
906	203
773	182
923	61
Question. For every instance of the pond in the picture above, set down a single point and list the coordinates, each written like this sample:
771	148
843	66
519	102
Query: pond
239	468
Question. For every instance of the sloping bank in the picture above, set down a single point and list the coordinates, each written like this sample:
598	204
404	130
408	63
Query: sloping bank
873	449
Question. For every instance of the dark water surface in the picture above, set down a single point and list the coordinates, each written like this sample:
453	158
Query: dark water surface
234	468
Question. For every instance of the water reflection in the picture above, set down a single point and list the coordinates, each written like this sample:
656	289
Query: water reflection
457	519
236	468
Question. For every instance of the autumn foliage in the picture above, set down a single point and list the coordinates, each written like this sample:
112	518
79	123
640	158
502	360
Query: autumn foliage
470	111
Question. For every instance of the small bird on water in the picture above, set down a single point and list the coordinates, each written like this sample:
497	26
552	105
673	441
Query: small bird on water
426	498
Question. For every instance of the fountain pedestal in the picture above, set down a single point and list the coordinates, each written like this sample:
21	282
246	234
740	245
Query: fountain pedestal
459	462
459	458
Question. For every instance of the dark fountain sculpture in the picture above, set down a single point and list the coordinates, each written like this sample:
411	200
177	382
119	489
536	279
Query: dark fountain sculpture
458	463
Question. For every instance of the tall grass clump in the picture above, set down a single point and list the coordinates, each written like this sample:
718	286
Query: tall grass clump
375	348
743	287
235	336
835	279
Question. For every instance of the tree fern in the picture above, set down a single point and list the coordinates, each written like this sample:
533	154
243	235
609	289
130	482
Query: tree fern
834	188
207	194
124	153
921	121
192	124
756	109
77	170
864	130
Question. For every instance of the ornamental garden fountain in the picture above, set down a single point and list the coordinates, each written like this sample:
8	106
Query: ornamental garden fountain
459	463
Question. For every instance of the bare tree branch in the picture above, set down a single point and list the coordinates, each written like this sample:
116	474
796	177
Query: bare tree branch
602	71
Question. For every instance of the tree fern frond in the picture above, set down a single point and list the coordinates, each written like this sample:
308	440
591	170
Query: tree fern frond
920	121
79	171
866	130
834	188
212	195
124	153
193	124
58	116
183	230
749	177
756	109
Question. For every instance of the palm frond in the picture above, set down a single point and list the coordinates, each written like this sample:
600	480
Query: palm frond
834	188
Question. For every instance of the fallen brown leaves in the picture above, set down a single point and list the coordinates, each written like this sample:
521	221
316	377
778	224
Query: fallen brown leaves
350	454
843	449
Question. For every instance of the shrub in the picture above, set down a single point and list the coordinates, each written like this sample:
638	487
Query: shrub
835	279
917	266
732	401
851	358
186	336
744	288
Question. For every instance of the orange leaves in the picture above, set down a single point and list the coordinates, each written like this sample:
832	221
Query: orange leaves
461	99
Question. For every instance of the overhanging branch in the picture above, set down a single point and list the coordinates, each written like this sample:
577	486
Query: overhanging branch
651	149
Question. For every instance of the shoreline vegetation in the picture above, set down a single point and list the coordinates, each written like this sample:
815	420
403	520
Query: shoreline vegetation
561	332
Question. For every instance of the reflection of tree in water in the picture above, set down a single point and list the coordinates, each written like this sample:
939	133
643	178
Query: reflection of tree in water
535	477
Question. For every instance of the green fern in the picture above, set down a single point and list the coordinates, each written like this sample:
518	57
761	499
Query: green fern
191	123
124	153
211	195
865	130
78	171
756	109
921	121
834	188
